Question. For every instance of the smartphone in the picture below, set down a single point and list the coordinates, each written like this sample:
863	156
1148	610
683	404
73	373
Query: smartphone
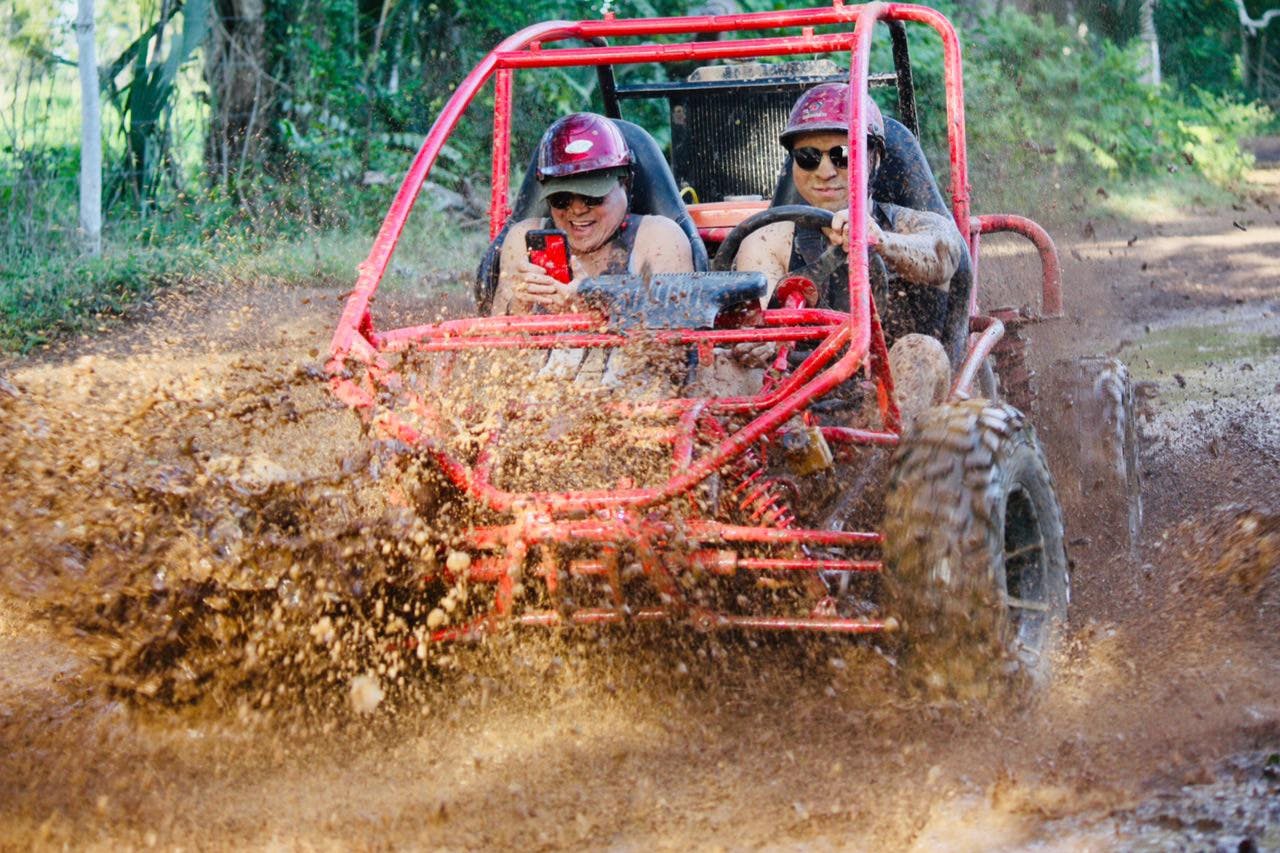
549	249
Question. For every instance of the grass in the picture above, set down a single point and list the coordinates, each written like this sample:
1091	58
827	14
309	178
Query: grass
60	293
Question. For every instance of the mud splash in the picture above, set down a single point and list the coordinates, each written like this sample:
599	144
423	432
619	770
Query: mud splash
155	522
152	518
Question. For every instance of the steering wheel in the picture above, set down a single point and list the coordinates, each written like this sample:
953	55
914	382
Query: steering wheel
812	217
800	214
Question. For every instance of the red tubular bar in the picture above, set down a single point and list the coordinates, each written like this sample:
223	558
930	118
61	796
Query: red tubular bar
593	616
587	339
583	330
626	54
780	564
709	531
1051	267
593	568
684	437
826	624
600	530
499	209
848	435
990	332
707	621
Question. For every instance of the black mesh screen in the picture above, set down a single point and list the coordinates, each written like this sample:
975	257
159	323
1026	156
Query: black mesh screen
725	143
724	131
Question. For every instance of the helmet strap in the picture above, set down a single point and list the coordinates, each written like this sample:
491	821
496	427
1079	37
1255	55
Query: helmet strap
876	144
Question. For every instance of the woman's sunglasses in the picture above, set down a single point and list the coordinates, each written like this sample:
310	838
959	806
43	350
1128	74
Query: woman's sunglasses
562	201
809	158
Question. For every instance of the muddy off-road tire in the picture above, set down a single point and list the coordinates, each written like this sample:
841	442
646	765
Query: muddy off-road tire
1091	440
975	565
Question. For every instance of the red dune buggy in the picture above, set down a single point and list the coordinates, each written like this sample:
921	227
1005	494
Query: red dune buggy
763	510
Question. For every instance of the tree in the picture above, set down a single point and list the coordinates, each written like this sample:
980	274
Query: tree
145	101
90	132
1257	74
1147	32
242	90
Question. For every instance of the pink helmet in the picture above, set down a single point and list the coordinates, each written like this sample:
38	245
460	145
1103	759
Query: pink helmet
825	109
579	143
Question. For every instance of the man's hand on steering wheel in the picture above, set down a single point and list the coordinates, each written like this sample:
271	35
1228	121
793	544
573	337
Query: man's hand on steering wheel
838	231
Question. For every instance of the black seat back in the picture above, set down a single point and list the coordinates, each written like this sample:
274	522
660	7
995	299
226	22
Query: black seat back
906	180
653	192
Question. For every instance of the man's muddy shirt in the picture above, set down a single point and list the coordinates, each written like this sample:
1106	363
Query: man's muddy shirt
904	306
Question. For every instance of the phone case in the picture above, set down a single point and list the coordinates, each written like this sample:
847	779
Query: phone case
549	249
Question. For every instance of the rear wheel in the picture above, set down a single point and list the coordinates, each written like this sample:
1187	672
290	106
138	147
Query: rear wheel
1092	442
976	569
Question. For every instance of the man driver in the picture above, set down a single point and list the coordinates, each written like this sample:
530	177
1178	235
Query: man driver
920	249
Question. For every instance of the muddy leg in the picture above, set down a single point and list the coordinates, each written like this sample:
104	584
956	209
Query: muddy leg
921	374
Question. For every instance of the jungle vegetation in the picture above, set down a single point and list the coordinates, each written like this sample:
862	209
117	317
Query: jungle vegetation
247	138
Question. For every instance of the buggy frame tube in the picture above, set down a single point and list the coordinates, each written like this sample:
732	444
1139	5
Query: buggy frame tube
529	40
1050	265
499	202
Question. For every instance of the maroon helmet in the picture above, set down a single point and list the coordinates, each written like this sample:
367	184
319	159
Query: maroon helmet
825	109
576	146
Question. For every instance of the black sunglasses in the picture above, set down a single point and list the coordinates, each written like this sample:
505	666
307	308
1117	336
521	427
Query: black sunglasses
809	158
562	201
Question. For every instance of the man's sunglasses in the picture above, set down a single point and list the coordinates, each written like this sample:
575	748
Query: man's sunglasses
562	201
809	158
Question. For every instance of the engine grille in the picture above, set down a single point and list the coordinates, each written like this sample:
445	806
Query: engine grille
726	144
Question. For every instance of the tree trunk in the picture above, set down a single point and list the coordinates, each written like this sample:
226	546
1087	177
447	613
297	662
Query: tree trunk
1147	32
242	92
90	132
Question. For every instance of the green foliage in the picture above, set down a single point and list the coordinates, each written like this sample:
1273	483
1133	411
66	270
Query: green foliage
1048	105
1208	133
145	100
1200	45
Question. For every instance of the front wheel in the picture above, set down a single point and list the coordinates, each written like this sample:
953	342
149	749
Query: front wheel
976	568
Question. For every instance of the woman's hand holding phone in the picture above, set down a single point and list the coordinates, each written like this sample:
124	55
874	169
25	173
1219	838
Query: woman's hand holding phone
545	276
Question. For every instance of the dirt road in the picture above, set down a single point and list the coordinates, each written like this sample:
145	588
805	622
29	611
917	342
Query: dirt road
121	458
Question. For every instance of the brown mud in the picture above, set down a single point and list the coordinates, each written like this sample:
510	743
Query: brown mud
159	479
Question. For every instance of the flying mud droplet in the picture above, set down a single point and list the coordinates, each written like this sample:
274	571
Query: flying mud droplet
366	694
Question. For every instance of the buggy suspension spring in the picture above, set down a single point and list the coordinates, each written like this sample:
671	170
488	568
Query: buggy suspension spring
759	496
760	500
